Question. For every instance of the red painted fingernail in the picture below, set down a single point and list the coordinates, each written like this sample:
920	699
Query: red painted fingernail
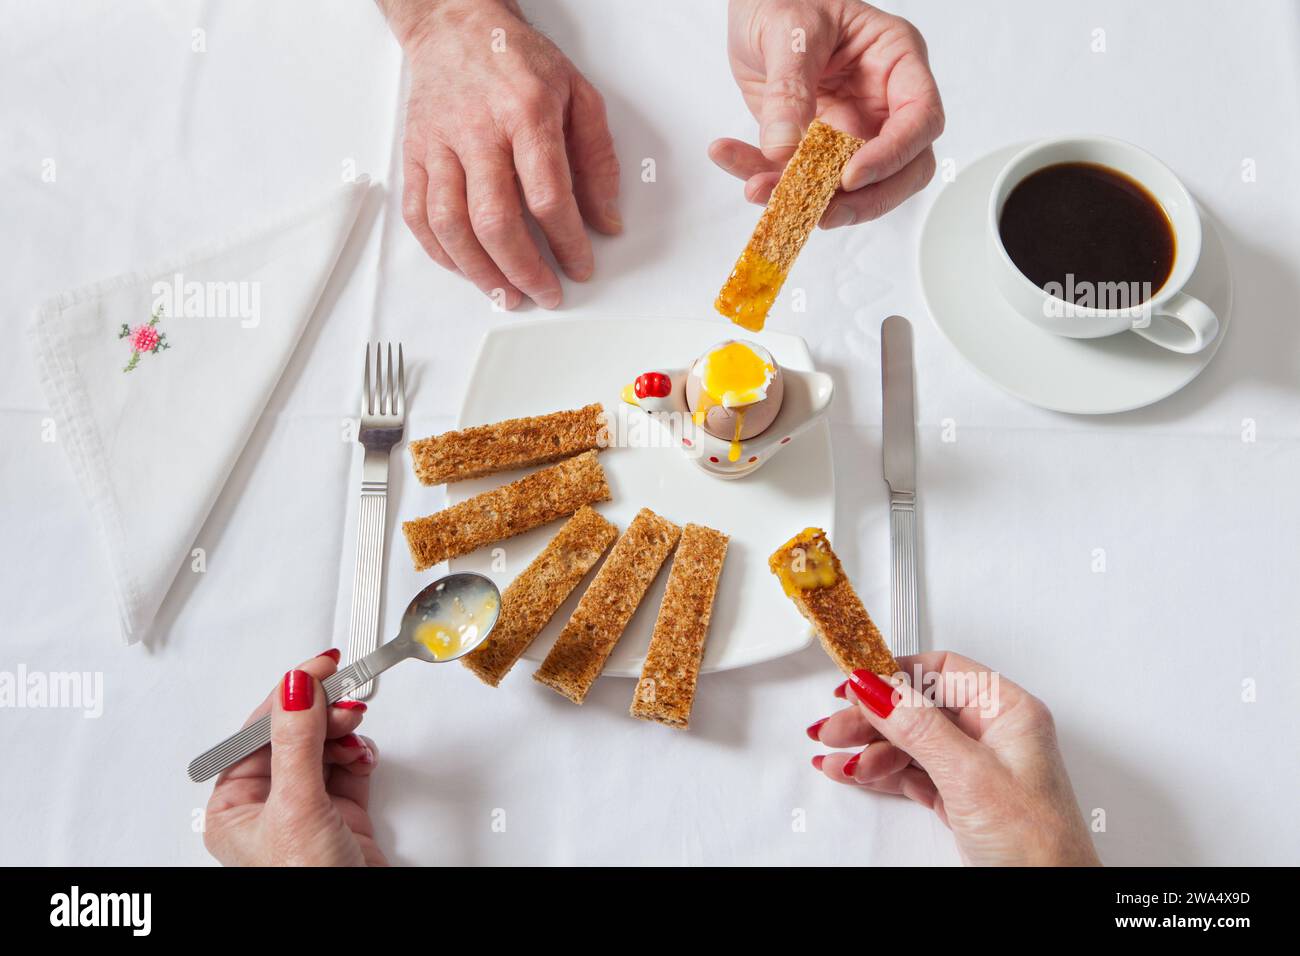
817	761
851	765
815	730
332	654
350	705
351	741
842	691
873	691
296	691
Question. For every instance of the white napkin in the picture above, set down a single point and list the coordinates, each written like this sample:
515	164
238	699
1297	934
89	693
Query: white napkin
157	378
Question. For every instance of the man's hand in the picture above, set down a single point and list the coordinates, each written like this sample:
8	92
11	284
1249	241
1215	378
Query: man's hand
859	69
498	121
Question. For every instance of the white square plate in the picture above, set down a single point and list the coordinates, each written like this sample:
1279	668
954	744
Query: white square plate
545	365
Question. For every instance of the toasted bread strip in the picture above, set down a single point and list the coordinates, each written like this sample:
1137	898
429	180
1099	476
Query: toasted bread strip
515	443
812	575
666	690
537	593
801	195
508	510
607	605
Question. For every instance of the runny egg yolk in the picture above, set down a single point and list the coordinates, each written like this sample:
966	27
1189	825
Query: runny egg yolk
455	628
805	562
733	376
750	290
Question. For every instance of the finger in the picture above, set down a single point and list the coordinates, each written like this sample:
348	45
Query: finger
592	159
875	762
740	159
913	783
908	720
547	185
415	212
449	219
347	750
343	718
974	694
298	740
790	93
758	188
845	728
321	666
352	782
498	221
915	121
258	763
872	202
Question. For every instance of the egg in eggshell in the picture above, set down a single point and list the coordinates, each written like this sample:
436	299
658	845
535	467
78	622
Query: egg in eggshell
734	391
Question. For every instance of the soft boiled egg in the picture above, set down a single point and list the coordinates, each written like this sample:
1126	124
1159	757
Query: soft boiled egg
734	391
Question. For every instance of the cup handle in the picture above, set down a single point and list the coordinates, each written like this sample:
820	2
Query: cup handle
1182	324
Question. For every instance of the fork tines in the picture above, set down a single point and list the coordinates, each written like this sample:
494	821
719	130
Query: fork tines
388	395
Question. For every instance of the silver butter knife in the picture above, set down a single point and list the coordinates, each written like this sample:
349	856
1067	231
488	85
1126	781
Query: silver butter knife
899	452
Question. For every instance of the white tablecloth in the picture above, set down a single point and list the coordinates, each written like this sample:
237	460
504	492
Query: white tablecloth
1172	673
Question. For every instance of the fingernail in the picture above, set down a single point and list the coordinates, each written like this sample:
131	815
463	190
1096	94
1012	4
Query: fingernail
296	691
782	133
332	654
817	761
351	741
548	300
851	764
815	730
367	757
612	214
842	691
873	691
840	216
356	705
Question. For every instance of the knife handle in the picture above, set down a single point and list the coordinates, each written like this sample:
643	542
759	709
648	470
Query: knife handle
905	613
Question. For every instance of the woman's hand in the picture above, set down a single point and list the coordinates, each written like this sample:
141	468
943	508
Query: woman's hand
496	113
304	800
857	68
990	768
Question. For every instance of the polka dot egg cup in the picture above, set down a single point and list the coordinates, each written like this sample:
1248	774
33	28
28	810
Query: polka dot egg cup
661	393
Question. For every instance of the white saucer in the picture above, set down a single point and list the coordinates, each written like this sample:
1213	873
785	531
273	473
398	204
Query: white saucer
541	366
1085	376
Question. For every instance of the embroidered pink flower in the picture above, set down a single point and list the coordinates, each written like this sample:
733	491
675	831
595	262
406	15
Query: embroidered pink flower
144	338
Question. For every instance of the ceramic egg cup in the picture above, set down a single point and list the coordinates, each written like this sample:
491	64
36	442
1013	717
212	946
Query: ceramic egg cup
807	396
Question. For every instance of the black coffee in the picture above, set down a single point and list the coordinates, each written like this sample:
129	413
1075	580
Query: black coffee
1076	228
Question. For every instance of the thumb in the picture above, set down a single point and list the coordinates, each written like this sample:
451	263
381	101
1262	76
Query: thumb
298	739
913	723
790	94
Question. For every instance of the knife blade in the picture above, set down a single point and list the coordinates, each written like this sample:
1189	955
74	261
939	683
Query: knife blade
898	451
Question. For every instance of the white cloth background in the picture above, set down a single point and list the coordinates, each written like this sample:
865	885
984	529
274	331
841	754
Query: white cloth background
156	145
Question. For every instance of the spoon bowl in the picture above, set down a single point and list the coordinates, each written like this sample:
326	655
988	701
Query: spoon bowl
448	598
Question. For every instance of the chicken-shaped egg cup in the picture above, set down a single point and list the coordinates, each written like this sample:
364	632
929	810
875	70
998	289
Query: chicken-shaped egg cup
733	408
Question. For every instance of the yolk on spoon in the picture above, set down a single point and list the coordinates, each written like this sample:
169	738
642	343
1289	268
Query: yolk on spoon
455	628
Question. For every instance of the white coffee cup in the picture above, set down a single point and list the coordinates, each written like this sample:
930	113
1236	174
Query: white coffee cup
1169	317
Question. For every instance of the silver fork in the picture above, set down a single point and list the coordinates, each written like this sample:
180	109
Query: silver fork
383	417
